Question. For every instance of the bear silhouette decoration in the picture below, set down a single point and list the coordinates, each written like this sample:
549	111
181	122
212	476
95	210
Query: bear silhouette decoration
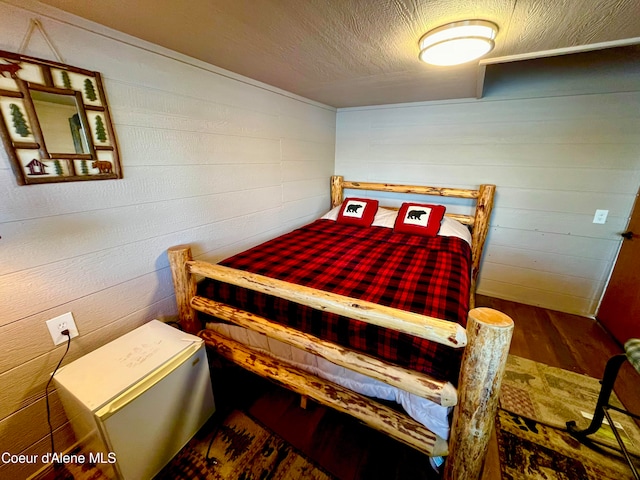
416	214
102	165
353	208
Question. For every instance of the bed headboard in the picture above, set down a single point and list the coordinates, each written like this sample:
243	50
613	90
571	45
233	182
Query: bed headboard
479	222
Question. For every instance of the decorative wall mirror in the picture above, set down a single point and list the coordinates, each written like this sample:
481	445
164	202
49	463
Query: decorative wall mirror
55	122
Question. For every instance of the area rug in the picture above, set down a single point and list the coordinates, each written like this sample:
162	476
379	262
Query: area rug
242	449
536	401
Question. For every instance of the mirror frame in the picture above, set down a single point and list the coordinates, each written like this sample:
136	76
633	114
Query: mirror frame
30	159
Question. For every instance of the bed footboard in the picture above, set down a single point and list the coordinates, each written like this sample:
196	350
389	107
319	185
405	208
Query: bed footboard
376	415
487	340
441	392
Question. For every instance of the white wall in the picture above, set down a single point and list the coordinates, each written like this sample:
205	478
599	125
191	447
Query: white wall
556	151
209	158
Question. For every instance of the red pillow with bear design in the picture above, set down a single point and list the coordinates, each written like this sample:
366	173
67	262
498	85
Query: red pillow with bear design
419	219
358	211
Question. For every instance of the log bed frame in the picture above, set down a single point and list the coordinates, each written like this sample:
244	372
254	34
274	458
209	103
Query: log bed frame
486	340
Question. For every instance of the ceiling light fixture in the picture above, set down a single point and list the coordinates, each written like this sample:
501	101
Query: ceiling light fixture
457	42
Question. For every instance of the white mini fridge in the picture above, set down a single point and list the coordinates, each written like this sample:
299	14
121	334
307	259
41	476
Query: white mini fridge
135	402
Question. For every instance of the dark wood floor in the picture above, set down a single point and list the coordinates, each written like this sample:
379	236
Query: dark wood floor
352	451
566	341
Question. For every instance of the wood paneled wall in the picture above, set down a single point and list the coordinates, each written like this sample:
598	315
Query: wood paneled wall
209	158
554	159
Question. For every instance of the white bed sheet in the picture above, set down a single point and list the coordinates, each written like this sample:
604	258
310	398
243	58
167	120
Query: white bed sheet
428	413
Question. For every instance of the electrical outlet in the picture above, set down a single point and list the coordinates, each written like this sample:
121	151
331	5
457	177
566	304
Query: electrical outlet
600	216
57	325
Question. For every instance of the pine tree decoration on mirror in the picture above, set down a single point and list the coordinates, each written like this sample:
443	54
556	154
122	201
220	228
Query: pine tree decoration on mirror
101	134
19	123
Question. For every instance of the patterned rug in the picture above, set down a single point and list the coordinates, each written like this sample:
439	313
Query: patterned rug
536	401
242	449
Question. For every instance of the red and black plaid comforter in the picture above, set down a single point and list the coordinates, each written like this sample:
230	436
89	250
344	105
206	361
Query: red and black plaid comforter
427	275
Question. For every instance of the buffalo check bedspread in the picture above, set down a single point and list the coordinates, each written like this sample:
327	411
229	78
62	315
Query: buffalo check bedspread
426	275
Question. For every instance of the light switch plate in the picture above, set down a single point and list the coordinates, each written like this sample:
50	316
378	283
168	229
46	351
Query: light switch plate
600	216
58	324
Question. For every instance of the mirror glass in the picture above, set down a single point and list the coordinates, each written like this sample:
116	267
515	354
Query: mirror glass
60	122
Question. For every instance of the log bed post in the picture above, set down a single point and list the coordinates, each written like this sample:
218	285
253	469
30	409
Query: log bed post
484	206
337	189
483	364
184	286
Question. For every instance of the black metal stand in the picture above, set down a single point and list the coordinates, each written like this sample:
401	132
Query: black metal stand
602	410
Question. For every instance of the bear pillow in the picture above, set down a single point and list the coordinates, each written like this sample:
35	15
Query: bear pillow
358	211
419	219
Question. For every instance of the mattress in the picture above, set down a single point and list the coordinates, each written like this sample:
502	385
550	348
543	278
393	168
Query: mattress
426	275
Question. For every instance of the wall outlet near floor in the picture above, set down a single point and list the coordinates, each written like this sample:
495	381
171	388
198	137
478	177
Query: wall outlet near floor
57	325
600	216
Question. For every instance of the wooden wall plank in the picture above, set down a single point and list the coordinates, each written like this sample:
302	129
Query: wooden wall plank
306	151
560	222
87	232
574	202
305	210
570	155
535	241
304	170
292	191
547	261
532	177
25	384
63	436
110	266
141	185
568	284
195	147
533	296
90	314
35	416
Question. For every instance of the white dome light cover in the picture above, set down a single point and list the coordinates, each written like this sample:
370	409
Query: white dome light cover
458	42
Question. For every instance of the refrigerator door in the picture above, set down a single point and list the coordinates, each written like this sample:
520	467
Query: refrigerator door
146	426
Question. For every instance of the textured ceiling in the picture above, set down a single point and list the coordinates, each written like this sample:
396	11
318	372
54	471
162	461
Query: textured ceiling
355	52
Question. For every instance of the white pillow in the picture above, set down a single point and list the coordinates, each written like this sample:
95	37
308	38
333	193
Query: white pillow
453	228
387	218
331	214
